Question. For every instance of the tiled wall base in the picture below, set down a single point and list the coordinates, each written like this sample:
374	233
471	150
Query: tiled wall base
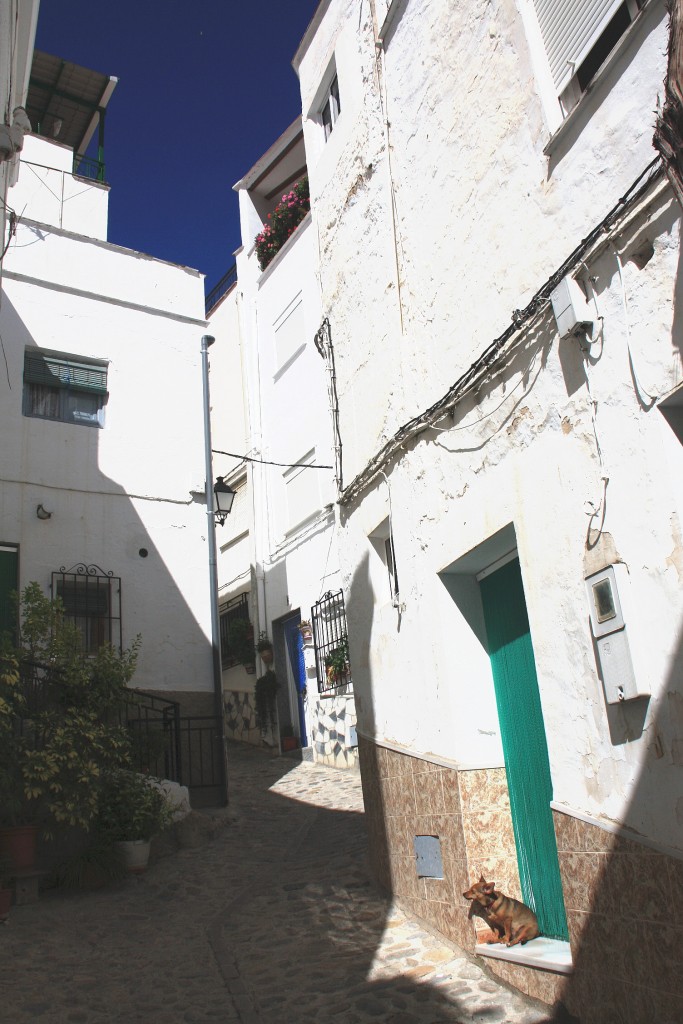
333	733
240	718
625	913
406	796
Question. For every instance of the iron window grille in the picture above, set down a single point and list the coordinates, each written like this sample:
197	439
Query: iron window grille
330	637
92	601
237	608
57	387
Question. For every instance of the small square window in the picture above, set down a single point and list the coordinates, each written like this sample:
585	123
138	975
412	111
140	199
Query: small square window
58	387
92	602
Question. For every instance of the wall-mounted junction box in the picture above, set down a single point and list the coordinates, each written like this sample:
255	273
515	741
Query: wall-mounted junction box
609	629
572	312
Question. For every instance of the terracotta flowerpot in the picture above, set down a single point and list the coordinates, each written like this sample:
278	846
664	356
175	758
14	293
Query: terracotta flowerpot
18	844
290	743
135	853
267	655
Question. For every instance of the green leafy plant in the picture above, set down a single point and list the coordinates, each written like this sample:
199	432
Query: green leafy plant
131	807
264	643
265	696
283	222
241	641
337	661
60	719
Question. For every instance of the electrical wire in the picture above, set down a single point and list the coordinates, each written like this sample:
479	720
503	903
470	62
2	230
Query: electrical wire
267	462
639	389
486	361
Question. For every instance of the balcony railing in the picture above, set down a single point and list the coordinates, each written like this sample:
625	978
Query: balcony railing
88	167
218	291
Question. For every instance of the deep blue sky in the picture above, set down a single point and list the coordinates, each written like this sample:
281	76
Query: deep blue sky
205	87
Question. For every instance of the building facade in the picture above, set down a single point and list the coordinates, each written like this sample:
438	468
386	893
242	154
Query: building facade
101	465
279	564
499	262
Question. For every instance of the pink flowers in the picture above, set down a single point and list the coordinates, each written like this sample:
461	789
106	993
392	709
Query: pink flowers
284	220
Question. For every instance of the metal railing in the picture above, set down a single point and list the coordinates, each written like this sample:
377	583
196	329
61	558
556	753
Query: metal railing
183	748
219	290
88	167
330	637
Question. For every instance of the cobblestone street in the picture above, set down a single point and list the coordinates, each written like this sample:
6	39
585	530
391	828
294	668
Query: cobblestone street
271	919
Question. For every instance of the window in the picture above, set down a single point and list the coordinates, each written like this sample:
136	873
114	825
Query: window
58	387
383	542
331	108
391	567
92	601
331	640
236	610
302	491
578	38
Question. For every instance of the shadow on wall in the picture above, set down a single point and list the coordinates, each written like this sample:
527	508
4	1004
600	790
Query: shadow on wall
94	521
624	900
305	881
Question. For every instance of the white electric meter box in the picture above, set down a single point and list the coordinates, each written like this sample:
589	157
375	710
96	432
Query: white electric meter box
609	629
572	312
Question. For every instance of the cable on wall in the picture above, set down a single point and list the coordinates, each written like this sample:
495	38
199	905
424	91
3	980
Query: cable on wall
267	462
323	343
483	365
640	391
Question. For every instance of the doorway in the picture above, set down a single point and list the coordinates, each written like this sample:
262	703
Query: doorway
524	742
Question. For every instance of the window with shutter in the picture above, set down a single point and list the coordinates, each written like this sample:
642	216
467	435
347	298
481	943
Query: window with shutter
59	387
578	36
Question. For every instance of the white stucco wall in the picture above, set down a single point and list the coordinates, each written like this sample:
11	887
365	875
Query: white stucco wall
48	192
130	485
422	260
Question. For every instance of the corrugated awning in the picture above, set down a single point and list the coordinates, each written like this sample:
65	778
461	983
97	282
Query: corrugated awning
65	101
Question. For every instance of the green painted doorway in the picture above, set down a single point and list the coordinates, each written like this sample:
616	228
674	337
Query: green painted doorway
524	745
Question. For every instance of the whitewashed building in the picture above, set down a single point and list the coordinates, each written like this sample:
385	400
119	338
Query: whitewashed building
102	460
278	563
499	264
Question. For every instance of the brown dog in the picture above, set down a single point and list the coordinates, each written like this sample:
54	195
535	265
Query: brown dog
512	921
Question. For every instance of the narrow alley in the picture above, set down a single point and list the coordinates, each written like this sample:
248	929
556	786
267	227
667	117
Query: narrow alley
272	918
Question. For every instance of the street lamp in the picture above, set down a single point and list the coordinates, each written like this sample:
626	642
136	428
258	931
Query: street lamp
211	516
224	498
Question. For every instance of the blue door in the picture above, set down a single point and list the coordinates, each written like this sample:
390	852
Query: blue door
295	652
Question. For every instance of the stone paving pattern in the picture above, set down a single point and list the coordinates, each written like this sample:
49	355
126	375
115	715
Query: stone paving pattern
264	913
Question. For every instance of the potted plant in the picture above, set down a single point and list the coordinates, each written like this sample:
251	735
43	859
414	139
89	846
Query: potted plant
132	811
241	640
59	726
337	662
265	696
282	222
288	740
306	630
264	647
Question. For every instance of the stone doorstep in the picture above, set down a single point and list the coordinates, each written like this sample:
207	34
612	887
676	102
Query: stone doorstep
541	953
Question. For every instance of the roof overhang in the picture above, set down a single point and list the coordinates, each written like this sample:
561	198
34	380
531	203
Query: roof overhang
65	101
282	163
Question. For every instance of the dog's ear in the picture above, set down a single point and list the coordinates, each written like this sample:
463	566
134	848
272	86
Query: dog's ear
489	886
482	880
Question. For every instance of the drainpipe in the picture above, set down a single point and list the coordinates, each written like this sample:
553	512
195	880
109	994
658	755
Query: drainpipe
207	341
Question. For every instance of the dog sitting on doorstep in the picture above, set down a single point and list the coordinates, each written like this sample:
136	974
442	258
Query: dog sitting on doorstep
513	922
